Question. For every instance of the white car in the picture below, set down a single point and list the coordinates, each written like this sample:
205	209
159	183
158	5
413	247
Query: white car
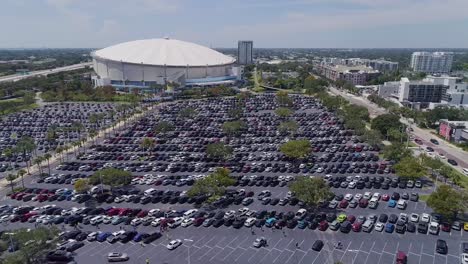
229	214
348	197
119	199
250	222
425	218
376	196
464	258
153	212
379	227
433	228
107	220
136	221
176	223
117	257
358	196
414	218
352	185
441	155
156	222
187	222
190	213
92	236
174	244
367	195
243	211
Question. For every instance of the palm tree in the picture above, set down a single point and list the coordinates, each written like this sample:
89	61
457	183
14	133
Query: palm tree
11	178
21	173
38	161
47	157
92	134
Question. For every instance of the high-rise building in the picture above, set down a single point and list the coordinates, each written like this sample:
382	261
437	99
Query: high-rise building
245	52
432	62
421	93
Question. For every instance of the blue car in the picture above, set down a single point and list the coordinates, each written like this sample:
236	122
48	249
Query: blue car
302	224
389	228
140	236
392	203
103	236
270	222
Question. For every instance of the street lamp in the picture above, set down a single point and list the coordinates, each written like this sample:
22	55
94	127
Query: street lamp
188	251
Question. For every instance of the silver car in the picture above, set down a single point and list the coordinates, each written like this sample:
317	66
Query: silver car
117	257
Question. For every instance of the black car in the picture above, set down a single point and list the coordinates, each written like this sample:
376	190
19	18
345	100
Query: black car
411	227
74	246
127	236
345	227
453	162
59	255
422	228
393	218
383	218
152	237
318	245
218	222
441	246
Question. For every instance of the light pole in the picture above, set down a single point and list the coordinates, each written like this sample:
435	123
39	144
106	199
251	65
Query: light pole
188	251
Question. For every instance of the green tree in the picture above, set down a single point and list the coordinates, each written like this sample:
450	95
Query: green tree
233	128
163	127
283	112
21	174
29	98
235	113
396	152
372	137
187	113
148	144
112	177
11	178
32	244
296	149
219	150
47	157
447	202
383	123
409	168
38	161
283	99
290	127
213	185
310	190
8	152
81	186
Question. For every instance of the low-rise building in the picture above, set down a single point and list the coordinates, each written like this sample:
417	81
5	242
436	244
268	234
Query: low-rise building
418	94
456	131
357	75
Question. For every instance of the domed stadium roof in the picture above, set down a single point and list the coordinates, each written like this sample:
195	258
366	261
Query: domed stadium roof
164	51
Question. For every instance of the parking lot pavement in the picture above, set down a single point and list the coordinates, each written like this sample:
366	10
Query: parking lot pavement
229	245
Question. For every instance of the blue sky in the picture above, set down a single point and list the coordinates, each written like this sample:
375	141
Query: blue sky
220	23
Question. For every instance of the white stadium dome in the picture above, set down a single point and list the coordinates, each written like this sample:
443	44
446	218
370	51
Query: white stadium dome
142	63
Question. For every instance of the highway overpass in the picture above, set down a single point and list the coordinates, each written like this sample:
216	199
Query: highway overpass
14	78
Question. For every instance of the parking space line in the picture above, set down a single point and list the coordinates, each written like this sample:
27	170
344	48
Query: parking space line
232	241
229	253
206	253
277	243
240	255
216	253
277	257
381	253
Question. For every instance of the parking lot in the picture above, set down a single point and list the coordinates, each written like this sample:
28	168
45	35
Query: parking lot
178	159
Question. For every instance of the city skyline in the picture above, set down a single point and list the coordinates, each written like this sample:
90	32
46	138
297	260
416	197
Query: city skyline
270	24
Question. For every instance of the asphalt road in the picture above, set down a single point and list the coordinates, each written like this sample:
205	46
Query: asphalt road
14	78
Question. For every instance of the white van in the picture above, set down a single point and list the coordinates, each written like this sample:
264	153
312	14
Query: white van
96	220
373	203
367	226
150	192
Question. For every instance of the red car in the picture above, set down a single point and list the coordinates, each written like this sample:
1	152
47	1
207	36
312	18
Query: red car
445	227
20	196
42	197
363	203
13	195
351	218
344	204
142	213
198	221
357	227
44	191
125	212
113	211
385	197
323	225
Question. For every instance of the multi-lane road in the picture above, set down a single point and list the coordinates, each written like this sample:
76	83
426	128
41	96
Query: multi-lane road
14	78
449	150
